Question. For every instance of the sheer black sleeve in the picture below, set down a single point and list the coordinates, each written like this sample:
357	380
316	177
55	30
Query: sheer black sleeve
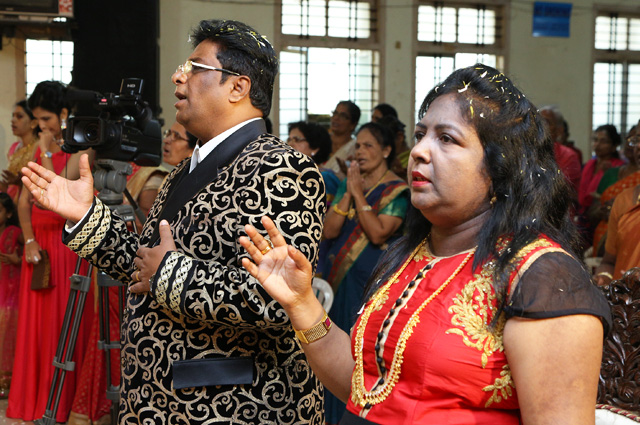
557	285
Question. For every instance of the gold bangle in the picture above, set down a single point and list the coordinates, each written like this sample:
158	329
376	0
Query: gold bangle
606	274
365	208
316	331
339	211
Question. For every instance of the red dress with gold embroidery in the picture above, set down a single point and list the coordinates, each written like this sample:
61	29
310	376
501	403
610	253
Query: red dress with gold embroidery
454	369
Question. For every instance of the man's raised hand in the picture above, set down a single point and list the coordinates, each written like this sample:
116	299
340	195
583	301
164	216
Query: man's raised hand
70	199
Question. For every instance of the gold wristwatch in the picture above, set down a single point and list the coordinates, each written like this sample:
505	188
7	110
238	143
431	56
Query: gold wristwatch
315	332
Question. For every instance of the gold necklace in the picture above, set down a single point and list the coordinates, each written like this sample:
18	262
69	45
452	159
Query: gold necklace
383	387
352	210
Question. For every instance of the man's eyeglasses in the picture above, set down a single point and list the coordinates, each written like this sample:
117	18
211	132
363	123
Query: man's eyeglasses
633	141
173	135
295	139
186	68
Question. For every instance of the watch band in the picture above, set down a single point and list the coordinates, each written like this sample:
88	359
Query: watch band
46	154
315	332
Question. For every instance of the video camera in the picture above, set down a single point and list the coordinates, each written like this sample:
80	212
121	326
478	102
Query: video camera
124	130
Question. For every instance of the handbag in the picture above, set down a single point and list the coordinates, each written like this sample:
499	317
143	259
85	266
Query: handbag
41	277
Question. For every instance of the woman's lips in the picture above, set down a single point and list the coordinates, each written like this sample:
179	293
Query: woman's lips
418	180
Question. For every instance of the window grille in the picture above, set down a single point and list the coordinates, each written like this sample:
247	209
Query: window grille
454	36
616	70
329	53
47	60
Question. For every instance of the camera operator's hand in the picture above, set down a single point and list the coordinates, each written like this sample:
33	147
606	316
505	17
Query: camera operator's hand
70	199
148	260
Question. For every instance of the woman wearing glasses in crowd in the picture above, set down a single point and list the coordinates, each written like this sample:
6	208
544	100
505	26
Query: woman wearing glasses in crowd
177	145
621	249
344	120
314	141
41	311
482	313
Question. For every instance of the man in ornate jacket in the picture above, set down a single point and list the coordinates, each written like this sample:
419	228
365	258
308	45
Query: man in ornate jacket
202	341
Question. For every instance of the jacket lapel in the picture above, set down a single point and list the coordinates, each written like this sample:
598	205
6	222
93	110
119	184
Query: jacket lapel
187	184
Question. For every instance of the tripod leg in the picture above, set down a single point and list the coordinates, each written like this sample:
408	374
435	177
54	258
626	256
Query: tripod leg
80	286
105	343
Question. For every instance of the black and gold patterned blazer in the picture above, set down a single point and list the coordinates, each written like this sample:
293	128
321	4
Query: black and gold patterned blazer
203	306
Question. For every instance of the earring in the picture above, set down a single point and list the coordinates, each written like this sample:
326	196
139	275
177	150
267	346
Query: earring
386	156
493	200
63	124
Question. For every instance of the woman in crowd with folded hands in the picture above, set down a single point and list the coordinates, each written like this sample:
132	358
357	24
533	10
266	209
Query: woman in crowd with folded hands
482	313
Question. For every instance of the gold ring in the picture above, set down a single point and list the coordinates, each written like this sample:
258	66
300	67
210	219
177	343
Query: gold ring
42	192
137	278
264	251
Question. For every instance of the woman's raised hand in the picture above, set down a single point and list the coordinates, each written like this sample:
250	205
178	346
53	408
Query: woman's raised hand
70	199
284	272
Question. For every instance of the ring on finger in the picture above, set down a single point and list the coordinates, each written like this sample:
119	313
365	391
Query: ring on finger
136	276
41	192
264	251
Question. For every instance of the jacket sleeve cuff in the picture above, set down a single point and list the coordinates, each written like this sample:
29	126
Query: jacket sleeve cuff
90	231
170	282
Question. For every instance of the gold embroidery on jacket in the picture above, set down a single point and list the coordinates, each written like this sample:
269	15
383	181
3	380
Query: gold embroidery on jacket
502	387
165	273
178	284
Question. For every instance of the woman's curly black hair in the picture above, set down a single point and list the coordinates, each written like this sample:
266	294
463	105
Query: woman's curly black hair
532	196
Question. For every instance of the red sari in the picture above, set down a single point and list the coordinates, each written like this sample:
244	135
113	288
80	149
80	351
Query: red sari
9	284
40	317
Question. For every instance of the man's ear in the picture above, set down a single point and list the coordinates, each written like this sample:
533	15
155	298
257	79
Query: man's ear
240	89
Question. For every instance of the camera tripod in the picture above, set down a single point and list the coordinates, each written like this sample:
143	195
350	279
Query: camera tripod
110	180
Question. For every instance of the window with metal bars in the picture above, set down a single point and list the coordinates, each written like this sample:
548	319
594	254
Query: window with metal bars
47	60
453	35
329	53
616	70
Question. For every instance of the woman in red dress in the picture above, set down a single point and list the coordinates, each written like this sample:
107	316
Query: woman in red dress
41	312
482	313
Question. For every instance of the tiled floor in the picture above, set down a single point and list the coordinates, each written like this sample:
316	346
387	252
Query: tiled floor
6	421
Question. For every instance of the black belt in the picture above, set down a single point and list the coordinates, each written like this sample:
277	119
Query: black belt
209	372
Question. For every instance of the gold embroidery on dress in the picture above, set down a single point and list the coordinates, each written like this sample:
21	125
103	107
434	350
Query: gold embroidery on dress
502	387
473	309
422	253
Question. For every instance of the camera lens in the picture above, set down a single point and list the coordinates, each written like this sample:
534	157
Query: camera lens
92	133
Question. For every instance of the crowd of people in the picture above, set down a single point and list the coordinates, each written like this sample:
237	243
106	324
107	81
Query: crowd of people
435	251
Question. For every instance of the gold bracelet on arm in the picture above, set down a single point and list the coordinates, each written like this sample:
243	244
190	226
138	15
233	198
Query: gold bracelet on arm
605	274
316	331
366	208
339	211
